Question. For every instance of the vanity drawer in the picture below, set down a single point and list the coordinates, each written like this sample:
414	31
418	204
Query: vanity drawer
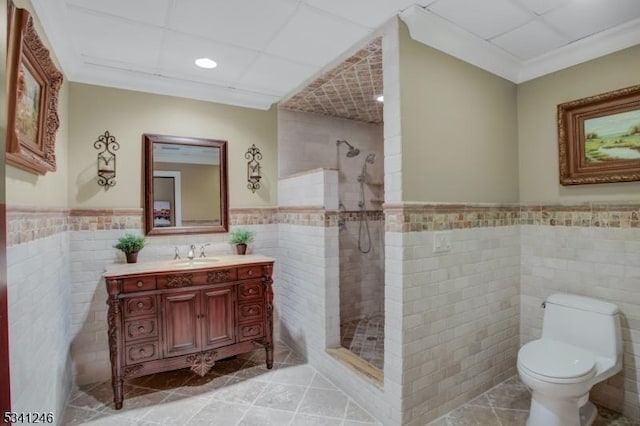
222	276
248	291
141	352
140	329
139	284
250	312
249	272
251	331
141	305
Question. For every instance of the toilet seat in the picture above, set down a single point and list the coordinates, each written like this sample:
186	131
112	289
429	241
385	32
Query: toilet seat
556	362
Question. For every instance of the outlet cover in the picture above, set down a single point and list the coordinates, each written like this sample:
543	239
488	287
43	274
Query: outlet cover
442	241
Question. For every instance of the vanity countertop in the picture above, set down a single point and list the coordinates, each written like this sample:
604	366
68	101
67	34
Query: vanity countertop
121	269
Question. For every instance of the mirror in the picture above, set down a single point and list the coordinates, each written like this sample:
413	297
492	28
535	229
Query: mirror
185	185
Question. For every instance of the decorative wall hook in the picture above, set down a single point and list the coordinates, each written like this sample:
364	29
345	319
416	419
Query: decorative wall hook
106	159
253	168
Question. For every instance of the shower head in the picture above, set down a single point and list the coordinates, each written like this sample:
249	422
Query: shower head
371	158
352	152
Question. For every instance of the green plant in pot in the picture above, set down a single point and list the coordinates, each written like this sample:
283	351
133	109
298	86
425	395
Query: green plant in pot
130	245
241	237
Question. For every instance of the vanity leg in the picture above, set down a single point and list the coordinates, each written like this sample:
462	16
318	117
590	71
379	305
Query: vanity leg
269	351
117	384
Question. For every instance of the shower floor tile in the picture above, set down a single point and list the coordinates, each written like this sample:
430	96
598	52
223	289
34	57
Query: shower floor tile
365	338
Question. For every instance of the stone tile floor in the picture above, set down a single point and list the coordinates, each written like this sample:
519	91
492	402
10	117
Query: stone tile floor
365	338
237	391
508	405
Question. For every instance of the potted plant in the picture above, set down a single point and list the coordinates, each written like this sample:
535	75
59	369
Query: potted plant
241	237
130	245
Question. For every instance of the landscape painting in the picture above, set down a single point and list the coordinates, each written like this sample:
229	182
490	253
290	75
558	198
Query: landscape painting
599	138
613	137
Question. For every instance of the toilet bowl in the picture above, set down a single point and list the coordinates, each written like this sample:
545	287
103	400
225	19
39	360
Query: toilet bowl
580	346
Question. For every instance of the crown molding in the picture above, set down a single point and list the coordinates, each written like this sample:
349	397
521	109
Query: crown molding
436	32
431	30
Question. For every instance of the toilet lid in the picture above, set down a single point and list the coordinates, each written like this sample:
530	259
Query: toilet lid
556	360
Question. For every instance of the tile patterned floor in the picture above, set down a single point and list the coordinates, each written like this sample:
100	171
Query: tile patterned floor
508	405
239	391
365	338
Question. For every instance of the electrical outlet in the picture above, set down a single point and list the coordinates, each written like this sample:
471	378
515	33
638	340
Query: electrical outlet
441	241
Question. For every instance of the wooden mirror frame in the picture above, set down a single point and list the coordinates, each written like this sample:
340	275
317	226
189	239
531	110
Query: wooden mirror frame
147	166
35	155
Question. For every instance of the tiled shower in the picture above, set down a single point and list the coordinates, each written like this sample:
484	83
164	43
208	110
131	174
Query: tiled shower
361	231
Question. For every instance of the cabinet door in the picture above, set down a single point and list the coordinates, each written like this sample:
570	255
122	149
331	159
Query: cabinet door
218	317
181	323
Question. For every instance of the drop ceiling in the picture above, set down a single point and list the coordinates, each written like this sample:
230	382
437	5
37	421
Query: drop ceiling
267	50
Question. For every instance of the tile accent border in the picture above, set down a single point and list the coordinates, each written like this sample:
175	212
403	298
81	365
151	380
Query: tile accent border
26	224
308	216
418	217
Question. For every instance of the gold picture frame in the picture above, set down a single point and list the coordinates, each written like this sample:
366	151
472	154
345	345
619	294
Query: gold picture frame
599	138
34	84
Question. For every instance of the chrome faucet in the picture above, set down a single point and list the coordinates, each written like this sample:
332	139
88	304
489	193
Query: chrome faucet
192	252
202	254
177	254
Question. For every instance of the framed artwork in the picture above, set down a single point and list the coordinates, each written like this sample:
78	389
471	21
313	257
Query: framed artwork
34	84
599	138
162	213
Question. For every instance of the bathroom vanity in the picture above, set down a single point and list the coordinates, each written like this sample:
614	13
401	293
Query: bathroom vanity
187	313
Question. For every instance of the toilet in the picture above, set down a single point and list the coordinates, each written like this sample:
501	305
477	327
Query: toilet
581	345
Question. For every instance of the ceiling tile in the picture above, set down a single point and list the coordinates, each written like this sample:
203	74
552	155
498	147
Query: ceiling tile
181	50
277	75
314	37
247	23
148	11
116	40
530	40
582	18
368	13
486	18
542	6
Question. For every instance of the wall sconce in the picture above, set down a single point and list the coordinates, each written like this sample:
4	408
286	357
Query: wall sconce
106	159
253	168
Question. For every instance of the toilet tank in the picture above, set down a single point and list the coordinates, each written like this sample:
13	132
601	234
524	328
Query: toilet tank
585	322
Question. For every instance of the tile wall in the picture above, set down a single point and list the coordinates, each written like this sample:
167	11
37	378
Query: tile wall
460	307
307	141
38	291
361	274
601	262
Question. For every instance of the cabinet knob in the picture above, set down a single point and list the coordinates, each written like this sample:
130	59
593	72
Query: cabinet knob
252	290
250	272
141	328
141	351
139	284
140	305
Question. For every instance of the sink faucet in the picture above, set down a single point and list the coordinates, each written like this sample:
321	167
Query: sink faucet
202	254
192	252
177	254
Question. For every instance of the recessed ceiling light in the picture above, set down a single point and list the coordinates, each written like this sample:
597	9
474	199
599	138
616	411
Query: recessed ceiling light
380	98
206	63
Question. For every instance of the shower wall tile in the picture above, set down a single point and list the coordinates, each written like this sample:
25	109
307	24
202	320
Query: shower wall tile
592	261
313	188
306	293
307	142
361	274
392	112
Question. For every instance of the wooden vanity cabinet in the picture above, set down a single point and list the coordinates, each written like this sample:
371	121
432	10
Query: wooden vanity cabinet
166	320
